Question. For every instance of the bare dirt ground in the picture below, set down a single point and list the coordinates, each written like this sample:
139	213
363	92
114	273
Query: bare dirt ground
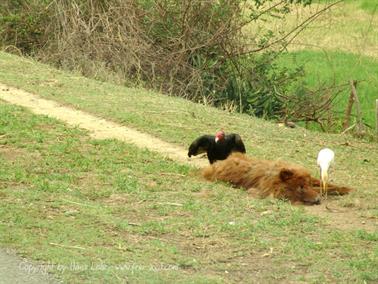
342	218
99	128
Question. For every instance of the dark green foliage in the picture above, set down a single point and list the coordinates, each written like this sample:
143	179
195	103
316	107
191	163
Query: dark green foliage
258	86
23	24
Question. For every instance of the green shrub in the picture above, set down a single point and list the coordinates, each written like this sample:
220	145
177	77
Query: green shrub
23	24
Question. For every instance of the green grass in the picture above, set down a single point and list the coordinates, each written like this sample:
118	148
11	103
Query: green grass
61	190
180	121
100	211
345	27
370	6
103	211
339	46
340	67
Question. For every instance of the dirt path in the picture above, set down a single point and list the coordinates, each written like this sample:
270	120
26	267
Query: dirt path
103	129
98	127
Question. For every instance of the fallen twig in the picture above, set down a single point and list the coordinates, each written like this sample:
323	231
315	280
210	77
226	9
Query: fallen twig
348	129
65	246
171	203
172	174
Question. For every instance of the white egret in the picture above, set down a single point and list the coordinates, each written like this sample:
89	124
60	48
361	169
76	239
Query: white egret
325	158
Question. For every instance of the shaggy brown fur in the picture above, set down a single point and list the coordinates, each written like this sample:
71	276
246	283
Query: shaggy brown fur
263	178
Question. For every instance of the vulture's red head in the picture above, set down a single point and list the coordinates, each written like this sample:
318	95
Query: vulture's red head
219	136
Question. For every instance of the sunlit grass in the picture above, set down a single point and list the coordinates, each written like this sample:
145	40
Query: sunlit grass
370	6
345	27
67	199
93	211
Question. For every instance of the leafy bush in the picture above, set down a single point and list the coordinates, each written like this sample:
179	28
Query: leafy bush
23	24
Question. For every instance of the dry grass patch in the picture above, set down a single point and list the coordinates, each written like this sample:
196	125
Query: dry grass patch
345	27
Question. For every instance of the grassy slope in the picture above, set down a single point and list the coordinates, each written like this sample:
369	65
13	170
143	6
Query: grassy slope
346	27
340	67
95	207
342	44
367	5
179	121
60	187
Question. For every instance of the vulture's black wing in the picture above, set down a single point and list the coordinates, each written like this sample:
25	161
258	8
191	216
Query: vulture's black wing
237	143
201	145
